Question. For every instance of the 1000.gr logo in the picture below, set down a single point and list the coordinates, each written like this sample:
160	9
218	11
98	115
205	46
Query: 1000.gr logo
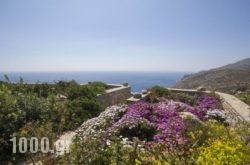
61	146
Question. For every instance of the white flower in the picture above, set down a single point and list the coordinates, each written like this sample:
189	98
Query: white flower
127	146
108	142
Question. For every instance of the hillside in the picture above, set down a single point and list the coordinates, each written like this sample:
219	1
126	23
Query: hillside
166	128
227	78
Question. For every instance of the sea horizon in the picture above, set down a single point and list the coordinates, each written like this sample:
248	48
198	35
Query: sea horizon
138	80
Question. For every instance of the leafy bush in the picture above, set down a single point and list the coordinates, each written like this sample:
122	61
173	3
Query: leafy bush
244	94
159	91
81	110
25	107
185	98
140	129
156	92
99	87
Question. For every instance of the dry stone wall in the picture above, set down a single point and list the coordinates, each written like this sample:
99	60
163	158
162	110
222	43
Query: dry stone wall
115	96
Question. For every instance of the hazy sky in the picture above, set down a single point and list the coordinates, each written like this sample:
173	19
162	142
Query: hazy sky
77	35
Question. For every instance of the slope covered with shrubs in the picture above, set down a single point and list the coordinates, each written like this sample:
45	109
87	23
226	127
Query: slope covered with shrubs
161	132
43	110
168	128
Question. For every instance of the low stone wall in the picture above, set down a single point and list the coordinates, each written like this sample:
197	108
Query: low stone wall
238	109
115	96
234	118
189	91
132	99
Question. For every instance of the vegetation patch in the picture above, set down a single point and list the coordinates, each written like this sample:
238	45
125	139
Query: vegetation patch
166	129
163	132
44	110
244	94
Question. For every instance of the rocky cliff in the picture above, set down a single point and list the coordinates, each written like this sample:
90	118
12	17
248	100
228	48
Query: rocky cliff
226	78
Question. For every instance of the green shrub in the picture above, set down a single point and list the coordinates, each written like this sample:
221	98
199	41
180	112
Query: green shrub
185	98
245	95
156	92
159	91
142	131
26	109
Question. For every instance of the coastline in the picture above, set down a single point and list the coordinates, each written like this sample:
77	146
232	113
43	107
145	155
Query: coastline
138	80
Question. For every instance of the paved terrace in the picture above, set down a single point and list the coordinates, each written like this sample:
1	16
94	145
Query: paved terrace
116	87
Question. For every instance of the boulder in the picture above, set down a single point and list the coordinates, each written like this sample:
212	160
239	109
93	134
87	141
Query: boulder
144	92
137	95
201	89
125	84
191	120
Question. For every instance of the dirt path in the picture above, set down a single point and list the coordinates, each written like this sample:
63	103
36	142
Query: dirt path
63	141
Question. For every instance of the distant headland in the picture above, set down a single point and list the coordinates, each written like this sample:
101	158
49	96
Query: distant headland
228	78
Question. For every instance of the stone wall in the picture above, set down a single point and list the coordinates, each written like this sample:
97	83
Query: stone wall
115	96
233	117
188	91
236	108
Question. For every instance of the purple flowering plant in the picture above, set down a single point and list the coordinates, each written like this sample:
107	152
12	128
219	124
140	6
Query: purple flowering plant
151	122
160	123
207	102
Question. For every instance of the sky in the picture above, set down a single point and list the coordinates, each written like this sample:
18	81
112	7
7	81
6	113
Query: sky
122	35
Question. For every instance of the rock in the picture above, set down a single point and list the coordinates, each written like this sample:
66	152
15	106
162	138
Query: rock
201	89
125	84
226	79
144	92
62	97
137	95
239	92
191	120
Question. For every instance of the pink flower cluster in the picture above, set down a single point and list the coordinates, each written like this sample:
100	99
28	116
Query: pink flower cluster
207	102
161	122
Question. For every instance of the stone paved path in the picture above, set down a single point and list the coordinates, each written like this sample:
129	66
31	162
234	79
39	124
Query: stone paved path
68	136
240	107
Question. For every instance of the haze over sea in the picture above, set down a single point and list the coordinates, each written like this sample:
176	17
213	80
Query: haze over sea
137	80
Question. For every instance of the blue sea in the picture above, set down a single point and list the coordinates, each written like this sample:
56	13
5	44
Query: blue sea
137	80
